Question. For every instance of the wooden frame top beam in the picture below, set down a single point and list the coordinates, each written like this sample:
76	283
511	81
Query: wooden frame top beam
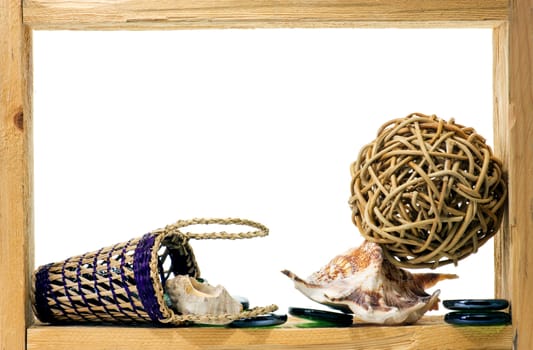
138	14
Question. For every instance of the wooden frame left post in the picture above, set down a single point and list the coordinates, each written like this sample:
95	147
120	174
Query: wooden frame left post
16	179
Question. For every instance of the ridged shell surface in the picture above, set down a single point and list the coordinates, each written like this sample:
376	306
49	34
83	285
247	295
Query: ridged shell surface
363	283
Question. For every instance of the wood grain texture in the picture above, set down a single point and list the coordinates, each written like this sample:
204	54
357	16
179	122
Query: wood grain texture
513	125
139	14
521	169
429	334
502	145
16	238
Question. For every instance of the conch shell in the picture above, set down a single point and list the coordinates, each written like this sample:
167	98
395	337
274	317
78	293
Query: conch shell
189	296
363	283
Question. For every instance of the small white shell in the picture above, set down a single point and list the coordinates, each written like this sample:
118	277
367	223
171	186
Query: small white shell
200	298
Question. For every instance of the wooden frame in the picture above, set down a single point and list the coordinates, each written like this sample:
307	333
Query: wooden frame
512	21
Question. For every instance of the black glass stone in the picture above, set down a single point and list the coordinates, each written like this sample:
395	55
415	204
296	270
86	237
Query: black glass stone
329	317
489	318
259	321
244	301
476	304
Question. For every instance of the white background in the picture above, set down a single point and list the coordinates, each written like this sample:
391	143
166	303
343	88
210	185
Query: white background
135	130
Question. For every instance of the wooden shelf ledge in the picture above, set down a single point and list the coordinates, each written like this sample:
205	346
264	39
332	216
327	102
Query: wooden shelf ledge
429	333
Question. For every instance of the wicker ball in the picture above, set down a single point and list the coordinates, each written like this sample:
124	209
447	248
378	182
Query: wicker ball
430	192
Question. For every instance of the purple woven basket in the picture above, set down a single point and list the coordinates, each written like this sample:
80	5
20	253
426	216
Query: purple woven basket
124	283
119	284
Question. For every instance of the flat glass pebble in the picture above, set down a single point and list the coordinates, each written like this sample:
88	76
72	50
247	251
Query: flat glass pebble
327	317
244	301
476	304
259	321
489	318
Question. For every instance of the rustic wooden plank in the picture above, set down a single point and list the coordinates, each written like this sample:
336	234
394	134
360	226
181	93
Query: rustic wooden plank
428	334
521	169
16	254
139	14
502	240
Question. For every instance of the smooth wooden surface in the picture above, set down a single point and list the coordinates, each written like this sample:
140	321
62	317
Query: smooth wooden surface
16	238
135	14
428	334
521	169
502	148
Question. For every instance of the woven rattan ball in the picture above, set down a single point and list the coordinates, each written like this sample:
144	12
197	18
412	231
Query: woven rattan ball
430	192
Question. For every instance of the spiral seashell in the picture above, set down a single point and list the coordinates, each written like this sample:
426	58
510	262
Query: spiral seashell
363	283
190	296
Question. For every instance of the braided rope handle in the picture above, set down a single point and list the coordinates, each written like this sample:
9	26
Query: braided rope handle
260	231
226	318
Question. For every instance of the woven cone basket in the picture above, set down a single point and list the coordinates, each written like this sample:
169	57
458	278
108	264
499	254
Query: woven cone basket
124	283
